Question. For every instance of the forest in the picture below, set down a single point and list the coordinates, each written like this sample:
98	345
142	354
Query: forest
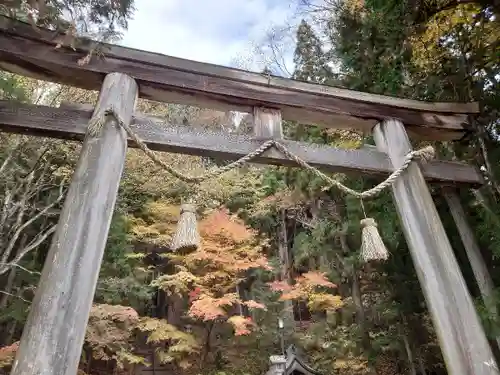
280	260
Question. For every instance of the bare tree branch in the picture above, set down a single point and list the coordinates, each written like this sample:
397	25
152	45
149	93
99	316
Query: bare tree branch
12	264
10	156
15	296
34	244
19	230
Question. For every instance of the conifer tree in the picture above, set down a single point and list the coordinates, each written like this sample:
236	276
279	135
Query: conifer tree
310	61
102	20
368	43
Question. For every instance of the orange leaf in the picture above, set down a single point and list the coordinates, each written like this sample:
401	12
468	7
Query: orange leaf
221	223
241	325
317	279
255	305
208	308
279	286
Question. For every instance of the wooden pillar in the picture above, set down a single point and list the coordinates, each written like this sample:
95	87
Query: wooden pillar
464	345
53	336
481	273
267	123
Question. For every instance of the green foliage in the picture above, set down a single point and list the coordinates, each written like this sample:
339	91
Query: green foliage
98	19
10	88
117	247
121	281
309	59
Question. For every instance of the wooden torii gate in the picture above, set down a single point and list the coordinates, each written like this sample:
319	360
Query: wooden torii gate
54	333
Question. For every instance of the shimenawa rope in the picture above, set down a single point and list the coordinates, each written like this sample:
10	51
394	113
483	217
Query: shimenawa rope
372	244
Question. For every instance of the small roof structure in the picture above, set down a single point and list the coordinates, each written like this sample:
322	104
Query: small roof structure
290	364
295	365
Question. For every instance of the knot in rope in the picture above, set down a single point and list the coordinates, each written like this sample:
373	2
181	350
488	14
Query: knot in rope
425	154
368	222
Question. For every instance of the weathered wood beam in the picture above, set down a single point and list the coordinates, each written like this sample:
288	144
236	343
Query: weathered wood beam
267	123
26	51
25	30
71	124
466	350
53	335
476	260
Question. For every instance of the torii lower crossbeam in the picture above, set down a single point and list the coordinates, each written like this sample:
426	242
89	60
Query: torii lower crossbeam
71	123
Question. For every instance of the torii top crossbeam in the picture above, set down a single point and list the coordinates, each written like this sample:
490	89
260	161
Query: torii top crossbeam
30	52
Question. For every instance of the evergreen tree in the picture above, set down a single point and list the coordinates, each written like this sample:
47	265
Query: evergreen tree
387	47
310	61
368	42
102	19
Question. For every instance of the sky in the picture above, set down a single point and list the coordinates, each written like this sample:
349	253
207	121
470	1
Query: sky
223	32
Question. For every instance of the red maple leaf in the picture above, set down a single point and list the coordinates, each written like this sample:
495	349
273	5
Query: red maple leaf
194	294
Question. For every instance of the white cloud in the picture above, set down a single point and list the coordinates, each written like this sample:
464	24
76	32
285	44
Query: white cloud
213	31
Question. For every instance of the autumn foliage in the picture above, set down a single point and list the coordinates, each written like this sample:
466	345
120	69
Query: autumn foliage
172	345
209	276
312	287
112	330
7	354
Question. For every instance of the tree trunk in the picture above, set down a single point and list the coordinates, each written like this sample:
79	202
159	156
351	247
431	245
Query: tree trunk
421	366
4	298
409	354
12	326
478	265
240	296
161	305
174	309
357	296
207	346
360	310
288	318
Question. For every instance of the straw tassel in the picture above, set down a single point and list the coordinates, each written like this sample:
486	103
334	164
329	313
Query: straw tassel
372	246
186	237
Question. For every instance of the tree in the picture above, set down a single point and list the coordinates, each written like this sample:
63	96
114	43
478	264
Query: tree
306	288
111	333
109	337
210	275
309	59
98	19
35	176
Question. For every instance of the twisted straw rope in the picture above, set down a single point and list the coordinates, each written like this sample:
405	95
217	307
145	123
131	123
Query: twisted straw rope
424	154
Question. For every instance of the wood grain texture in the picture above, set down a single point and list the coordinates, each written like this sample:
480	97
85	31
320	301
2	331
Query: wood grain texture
16	27
53	336
267	123
71	124
466	350
478	265
167	79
